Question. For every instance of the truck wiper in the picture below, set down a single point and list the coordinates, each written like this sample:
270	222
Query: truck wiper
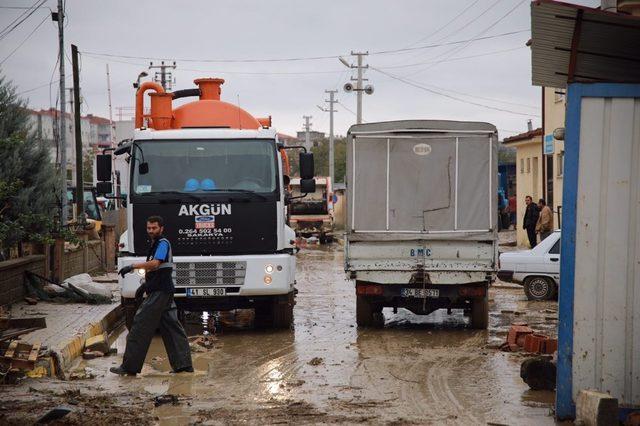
242	191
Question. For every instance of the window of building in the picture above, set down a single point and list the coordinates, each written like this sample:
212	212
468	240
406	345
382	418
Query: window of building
560	164
560	95
522	165
528	165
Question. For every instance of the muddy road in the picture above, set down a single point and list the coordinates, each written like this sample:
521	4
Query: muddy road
417	370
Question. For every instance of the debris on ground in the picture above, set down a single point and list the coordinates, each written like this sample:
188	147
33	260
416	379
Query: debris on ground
54	414
42	288
316	361
88	354
31	300
82	374
18	355
11	328
521	336
202	343
539	373
165	399
97	343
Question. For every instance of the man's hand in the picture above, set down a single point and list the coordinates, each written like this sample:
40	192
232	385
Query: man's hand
124	271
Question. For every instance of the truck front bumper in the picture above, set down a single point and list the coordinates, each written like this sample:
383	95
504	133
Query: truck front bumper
240	276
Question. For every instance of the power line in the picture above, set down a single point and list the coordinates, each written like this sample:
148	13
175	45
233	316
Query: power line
305	58
18	21
478	36
25	40
426	89
459	58
447	24
472	21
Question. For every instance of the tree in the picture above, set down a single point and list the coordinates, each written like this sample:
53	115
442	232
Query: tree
321	158
87	167
27	176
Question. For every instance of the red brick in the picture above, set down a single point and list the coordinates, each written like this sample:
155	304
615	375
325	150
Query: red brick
516	331
534	343
550	346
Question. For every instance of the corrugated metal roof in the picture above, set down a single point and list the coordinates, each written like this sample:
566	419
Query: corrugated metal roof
607	44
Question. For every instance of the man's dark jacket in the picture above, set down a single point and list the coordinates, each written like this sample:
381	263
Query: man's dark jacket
530	216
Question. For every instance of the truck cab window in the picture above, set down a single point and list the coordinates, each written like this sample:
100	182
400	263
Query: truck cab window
198	166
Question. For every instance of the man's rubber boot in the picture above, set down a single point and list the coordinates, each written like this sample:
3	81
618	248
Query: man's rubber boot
121	371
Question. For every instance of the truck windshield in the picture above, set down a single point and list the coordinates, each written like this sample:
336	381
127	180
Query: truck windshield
200	166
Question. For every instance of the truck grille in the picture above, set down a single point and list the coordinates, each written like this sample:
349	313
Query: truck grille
209	273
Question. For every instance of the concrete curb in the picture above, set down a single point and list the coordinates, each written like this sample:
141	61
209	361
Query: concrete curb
72	349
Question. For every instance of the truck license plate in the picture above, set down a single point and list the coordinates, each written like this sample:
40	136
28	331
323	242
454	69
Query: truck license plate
420	292
206	292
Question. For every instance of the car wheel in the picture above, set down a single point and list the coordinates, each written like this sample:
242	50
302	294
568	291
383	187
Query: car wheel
539	288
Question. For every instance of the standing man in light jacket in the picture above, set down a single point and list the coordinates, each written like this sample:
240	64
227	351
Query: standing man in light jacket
157	311
531	220
544	227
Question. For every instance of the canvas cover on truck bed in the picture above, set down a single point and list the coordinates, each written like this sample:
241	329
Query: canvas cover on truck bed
422	180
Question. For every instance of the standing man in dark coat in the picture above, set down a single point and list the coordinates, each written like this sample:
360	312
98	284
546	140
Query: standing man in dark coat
158	310
530	220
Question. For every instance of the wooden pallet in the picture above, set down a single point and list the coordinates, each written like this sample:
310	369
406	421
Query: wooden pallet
20	355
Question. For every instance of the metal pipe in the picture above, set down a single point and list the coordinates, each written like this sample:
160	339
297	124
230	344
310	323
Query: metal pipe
147	85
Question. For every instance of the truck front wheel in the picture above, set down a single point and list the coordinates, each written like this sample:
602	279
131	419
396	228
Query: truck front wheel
275	313
480	313
368	314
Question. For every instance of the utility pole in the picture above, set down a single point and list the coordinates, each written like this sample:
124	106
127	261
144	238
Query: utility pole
307	128
330	110
368	89
163	76
359	86
78	135
59	16
112	135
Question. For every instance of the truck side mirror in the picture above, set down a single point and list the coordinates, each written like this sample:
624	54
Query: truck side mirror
104	188
103	167
306	166
307	186
143	168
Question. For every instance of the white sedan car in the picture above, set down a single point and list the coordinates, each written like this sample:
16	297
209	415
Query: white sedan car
538	270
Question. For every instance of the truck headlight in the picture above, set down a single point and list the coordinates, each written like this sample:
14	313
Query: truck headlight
140	272
268	269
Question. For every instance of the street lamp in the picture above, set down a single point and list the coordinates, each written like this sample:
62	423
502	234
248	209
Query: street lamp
140	76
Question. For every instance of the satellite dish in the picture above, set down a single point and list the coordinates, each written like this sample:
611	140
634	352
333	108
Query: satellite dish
368	89
348	87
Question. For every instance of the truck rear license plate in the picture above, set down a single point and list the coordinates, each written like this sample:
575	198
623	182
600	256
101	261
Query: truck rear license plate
206	292
421	293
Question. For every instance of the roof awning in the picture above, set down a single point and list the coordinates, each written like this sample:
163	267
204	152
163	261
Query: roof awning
572	43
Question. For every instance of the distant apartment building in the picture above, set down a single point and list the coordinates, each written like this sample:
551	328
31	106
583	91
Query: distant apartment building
95	131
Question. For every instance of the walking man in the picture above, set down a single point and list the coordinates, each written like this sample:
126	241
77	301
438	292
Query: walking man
530	220
158	310
545	220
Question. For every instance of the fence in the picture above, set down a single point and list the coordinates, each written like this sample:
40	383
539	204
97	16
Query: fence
56	262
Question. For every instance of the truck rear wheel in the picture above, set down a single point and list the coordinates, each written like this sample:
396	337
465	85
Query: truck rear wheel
480	313
368	314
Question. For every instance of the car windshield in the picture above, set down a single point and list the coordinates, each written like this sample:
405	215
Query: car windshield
200	166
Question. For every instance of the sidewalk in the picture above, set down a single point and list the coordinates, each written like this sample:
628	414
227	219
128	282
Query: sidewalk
70	324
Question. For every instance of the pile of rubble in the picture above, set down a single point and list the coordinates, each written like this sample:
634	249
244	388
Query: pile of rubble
522	337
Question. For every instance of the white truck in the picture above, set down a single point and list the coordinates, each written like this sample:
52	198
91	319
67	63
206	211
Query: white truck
217	176
421	223
312	214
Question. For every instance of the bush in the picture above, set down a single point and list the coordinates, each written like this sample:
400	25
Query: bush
28	180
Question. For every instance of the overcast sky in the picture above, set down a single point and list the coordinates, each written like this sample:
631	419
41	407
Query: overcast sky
494	72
